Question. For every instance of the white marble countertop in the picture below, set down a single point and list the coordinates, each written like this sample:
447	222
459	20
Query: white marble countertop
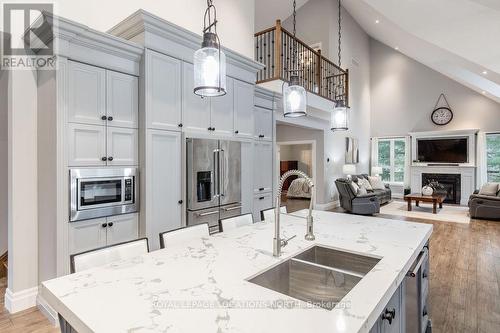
202	285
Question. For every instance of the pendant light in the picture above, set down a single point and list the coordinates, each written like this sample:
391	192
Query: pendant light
210	61
339	120
294	94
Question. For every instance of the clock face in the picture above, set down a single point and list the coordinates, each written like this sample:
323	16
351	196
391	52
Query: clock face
442	116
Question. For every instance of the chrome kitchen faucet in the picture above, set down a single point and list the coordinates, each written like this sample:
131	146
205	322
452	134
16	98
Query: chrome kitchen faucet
278	243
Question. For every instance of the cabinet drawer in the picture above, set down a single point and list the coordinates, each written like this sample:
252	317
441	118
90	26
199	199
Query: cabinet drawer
261	202
122	228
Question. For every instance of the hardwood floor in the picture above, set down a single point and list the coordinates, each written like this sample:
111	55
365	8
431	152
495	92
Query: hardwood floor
464	281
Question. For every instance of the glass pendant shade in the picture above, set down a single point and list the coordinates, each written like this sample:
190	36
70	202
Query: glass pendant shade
209	68
340	117
294	99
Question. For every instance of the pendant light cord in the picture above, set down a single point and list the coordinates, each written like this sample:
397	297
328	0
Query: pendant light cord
340	34
294	60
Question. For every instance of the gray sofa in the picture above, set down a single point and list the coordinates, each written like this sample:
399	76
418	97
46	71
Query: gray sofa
484	206
383	196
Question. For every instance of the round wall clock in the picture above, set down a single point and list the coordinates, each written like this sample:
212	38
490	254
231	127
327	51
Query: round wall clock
442	116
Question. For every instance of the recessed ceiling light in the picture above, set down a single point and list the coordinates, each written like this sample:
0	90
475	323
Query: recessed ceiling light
485	72
377	21
396	48
483	92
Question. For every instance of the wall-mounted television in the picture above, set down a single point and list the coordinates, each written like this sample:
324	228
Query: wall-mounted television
443	150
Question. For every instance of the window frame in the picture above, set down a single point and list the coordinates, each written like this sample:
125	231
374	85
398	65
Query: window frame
496	134
392	159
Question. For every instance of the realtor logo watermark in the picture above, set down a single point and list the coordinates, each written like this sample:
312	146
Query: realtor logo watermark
24	37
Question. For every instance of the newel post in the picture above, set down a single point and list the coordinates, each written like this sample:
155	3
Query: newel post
277	50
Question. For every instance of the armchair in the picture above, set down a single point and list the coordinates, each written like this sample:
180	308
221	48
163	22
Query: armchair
367	204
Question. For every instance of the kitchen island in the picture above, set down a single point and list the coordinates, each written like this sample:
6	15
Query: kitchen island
202	286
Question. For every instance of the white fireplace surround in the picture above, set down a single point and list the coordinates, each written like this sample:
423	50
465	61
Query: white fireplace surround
467	171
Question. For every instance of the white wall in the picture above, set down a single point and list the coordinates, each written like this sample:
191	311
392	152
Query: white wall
235	27
317	22
4	82
302	153
404	92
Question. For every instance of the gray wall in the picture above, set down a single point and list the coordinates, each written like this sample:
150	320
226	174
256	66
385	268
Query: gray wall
404	92
4	91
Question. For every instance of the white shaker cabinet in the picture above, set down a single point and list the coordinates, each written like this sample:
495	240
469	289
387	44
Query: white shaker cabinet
95	233
195	110
122	228
163	91
262	202
87	145
263	124
163	187
122	102
263	166
87	235
86	94
122	146
222	111
243	109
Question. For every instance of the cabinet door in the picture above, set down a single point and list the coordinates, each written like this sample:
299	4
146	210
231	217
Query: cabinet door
243	109
261	202
163	91
163	184
87	235
122	146
392	307
222	111
195	110
87	94
122	228
122	99
263	166
247	183
87	145
263	124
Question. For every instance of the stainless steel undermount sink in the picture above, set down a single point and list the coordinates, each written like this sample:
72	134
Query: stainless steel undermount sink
319	275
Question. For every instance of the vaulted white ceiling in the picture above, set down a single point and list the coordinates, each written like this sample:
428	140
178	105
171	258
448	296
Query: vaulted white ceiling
268	11
459	38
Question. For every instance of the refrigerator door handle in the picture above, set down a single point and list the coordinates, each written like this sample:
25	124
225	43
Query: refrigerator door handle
215	181
223	180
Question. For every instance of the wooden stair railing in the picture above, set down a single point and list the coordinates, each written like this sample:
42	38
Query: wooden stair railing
318	75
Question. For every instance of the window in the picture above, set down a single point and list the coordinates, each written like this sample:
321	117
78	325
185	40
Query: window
493	157
391	157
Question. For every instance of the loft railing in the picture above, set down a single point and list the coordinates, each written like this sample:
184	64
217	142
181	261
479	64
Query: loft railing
274	49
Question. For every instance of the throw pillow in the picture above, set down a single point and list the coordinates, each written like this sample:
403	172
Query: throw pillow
355	187
362	191
365	184
376	183
489	189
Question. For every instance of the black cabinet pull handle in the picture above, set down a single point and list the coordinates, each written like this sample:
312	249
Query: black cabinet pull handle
110	224
110	158
110	118
261	189
180	125
213	128
104	117
104	158
236	132
104	225
261	135
389	315
180	202
261	198
210	128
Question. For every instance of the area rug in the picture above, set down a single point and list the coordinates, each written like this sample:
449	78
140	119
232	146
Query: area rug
457	214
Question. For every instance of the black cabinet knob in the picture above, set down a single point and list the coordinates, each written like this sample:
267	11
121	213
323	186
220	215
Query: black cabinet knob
110	158
210	128
261	189
104	117
389	315
104	225
104	158
180	202
213	128
110	224
180	125
261	198
261	136
110	118
236	132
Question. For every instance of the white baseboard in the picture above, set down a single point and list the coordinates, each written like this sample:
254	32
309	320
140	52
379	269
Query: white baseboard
47	311
328	206
21	300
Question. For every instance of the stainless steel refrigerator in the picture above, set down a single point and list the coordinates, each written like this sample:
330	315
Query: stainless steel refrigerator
213	181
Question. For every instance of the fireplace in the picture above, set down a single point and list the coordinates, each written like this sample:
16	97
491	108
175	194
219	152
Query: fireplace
451	183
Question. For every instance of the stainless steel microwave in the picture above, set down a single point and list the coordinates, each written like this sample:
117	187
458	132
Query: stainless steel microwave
103	192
